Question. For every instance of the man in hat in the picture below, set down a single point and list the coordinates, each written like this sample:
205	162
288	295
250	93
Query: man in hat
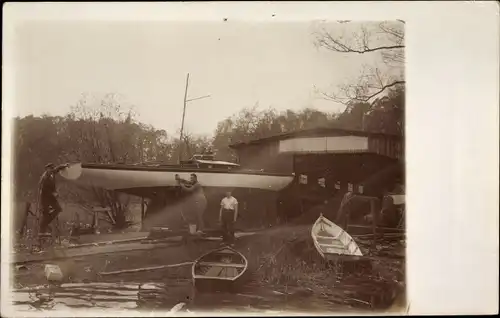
49	205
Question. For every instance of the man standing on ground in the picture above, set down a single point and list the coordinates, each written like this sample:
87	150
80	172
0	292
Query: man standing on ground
228	215
196	200
49	205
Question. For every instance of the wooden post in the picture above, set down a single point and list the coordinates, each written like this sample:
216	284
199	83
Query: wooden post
346	220
57	225
374	220
143	212
96	222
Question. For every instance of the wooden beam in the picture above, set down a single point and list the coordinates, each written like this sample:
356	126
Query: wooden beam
144	269
388	235
216	264
325	237
100	209
397	230
143	210
71	253
132	240
333	245
374	217
113	221
95	222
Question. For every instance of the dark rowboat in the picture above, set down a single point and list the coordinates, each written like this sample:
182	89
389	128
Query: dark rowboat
222	269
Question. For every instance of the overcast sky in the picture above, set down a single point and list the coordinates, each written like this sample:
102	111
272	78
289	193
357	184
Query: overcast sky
238	64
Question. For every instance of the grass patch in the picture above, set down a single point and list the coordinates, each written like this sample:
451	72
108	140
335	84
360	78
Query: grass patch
285	259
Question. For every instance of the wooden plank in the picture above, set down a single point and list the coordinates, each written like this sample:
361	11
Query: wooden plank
143	210
100	209
143	269
113	221
171	239
374	218
138	239
117	246
231	265
213	277
335	250
325	237
333	245
386	235
71	253
106	237
378	228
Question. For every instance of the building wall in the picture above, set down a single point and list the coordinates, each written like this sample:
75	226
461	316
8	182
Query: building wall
341	162
386	146
258	153
339	170
331	144
265	156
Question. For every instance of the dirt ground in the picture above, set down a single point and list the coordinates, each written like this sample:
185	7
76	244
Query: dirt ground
286	272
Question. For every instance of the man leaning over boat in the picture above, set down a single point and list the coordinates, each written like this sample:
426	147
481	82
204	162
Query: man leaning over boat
196	201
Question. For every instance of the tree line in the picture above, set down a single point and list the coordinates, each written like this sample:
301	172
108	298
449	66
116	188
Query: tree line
110	134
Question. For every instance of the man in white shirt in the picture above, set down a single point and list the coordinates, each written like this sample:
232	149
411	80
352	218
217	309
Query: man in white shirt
227	217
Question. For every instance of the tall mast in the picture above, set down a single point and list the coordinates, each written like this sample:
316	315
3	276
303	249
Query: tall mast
181	145
181	148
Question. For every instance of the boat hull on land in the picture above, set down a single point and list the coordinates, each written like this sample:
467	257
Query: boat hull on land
119	177
332	242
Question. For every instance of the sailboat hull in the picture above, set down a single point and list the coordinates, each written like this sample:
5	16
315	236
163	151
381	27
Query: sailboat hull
119	177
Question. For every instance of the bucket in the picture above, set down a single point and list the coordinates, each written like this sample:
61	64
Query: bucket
53	273
192	228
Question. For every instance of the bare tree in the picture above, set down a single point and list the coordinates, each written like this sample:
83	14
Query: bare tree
385	39
104	132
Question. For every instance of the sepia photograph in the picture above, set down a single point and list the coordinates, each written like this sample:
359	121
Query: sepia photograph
227	165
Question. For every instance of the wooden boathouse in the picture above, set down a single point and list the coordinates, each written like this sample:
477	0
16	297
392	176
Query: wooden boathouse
327	162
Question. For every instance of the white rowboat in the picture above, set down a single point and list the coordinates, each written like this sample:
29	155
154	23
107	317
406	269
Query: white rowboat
332	242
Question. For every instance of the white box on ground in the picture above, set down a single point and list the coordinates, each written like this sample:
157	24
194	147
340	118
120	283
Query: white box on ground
53	273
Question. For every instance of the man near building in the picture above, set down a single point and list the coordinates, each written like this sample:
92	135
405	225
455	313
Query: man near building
228	215
49	206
